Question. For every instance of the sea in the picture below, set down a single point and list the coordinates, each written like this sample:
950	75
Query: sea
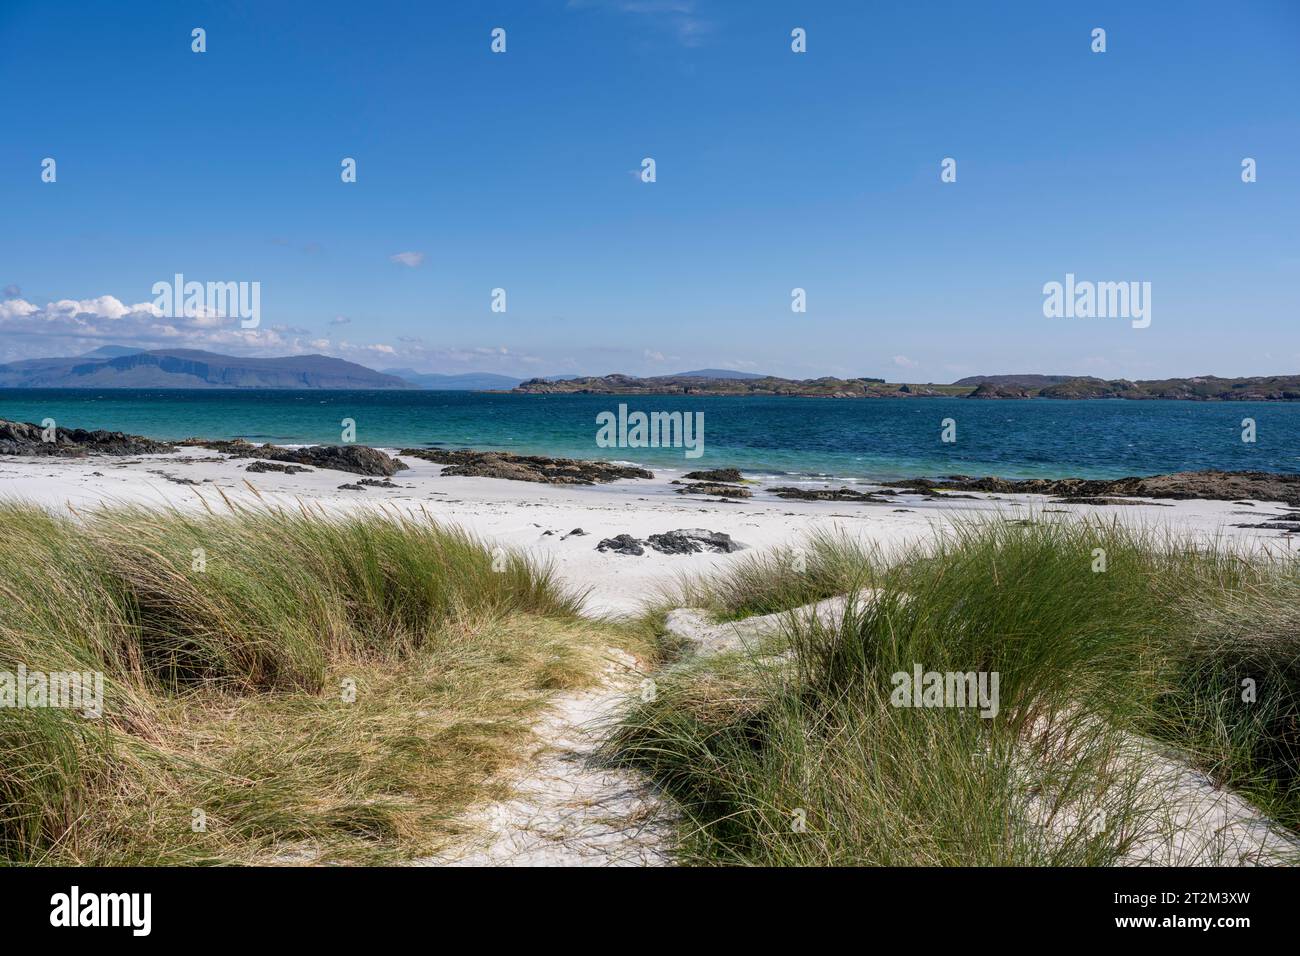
808	438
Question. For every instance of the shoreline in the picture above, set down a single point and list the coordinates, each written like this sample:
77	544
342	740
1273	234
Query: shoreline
540	519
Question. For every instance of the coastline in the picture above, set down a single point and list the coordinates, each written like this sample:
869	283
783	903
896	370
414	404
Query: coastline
539	518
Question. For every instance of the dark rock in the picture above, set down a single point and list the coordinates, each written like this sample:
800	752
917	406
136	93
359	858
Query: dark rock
351	487
575	533
499	464
717	474
260	467
621	544
725	491
24	438
376	483
1211	485
173	479
691	540
828	494
1107	501
356	459
681	541
1291	527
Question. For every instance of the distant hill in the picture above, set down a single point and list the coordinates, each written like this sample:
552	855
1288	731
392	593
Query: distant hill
481	381
1203	388
762	385
111	351
1200	388
1016	381
190	368
717	373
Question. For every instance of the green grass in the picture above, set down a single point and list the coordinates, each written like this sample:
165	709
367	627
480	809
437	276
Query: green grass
225	686
767	582
808	763
229	691
1247	637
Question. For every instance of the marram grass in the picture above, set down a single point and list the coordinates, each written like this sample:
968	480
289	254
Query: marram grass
806	761
279	686
289	687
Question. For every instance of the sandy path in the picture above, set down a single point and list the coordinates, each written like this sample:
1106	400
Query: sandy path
570	811
567	810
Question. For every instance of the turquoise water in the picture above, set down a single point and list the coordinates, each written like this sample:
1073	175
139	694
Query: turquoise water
864	438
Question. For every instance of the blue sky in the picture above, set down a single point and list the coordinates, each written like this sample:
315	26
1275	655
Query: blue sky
775	170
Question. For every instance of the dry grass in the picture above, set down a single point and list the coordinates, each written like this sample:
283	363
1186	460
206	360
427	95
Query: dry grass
228	689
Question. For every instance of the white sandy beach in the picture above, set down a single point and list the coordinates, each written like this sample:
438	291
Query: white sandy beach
538	518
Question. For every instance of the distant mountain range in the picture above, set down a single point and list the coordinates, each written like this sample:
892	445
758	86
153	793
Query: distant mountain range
117	367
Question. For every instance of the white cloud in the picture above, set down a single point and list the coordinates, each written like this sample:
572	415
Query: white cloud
902	361
72	326
16	309
411	260
103	307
